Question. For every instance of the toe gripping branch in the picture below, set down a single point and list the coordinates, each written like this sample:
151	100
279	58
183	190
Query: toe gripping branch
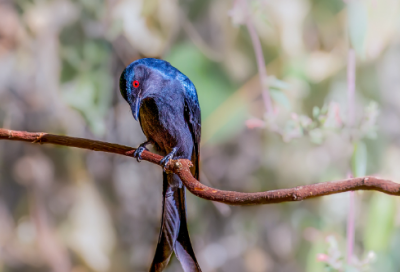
140	149
164	162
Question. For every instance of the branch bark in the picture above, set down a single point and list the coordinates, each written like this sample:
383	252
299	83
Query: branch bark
182	169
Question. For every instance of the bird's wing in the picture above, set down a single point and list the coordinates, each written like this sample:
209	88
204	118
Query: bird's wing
193	117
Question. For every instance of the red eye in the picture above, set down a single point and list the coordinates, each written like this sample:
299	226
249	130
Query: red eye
135	84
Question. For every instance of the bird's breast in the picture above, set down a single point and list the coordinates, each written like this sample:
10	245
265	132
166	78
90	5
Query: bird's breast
165	125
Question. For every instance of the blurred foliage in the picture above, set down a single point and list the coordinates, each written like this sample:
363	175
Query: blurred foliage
64	209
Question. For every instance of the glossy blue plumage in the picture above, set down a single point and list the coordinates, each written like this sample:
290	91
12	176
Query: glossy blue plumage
166	105
167	71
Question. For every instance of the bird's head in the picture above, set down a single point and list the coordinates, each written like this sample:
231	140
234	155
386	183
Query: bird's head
132	85
142	78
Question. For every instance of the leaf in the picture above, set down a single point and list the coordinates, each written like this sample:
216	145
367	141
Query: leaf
359	159
358	23
280	97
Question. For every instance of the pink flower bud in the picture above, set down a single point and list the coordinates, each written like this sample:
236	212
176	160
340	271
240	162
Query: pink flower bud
322	257
255	123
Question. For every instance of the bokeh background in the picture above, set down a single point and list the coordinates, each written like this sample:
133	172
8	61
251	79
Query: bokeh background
64	209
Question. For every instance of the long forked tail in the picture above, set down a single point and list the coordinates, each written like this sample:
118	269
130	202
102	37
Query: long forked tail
174	235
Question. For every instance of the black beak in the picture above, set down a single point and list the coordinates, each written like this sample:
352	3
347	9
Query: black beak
136	107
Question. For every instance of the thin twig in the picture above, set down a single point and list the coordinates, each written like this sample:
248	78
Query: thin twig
182	169
351	91
351	86
262	71
350	227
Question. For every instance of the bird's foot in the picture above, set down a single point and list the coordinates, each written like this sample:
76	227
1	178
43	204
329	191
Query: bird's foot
139	151
164	162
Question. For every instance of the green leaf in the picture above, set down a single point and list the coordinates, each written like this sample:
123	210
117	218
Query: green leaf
280	97
359	159
380	224
358	23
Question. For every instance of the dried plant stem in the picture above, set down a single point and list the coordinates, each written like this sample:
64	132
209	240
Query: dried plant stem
350	227
182	168
351	86
351	90
262	71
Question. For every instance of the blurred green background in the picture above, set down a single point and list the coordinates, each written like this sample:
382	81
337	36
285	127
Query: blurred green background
63	209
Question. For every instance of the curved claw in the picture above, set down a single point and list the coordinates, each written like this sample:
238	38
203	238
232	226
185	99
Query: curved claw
167	158
138	153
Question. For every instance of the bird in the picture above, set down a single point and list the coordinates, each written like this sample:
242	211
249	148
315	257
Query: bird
165	103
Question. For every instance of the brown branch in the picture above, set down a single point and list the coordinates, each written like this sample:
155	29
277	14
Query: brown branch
182	168
47	138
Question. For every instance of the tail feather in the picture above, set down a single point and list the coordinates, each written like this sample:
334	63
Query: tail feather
183	247
174	235
169	230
